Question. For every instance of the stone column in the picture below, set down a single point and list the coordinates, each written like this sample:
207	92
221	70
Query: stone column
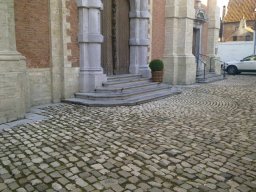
213	34
90	40
180	65
139	41
56	51
12	68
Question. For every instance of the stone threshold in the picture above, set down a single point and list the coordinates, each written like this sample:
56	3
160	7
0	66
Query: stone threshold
35	115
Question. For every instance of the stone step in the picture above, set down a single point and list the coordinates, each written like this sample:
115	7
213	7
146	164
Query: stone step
131	84
124	90
136	100
209	74
121	77
125	87
212	77
124	81
120	95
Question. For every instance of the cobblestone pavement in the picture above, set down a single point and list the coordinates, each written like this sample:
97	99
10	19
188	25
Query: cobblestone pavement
201	140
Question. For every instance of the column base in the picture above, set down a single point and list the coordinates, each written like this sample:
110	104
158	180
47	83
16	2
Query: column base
139	61
134	69
13	83
179	70
145	72
215	65
89	81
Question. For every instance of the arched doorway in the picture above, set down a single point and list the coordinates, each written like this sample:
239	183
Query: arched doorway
116	32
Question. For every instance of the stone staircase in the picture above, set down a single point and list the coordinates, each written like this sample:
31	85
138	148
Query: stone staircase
124	90
210	77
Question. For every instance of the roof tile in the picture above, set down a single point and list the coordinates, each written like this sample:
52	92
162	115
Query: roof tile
237	9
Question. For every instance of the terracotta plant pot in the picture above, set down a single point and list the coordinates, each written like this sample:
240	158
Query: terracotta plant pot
157	76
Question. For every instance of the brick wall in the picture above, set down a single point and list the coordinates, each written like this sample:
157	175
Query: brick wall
158	29
32	31
73	32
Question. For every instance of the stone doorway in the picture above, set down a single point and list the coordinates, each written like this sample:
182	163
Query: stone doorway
196	49
116	32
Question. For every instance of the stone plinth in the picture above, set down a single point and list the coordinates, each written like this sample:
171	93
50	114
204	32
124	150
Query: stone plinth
12	68
180	65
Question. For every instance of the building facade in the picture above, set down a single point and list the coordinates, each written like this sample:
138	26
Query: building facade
238	22
51	49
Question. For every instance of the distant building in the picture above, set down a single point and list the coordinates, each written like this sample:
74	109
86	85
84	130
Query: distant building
238	23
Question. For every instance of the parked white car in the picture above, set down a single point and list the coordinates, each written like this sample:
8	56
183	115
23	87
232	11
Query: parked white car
248	64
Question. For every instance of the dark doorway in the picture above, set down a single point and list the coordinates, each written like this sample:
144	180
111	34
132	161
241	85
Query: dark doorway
116	32
196	42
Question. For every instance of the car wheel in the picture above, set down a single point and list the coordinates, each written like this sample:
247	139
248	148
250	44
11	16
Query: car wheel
232	70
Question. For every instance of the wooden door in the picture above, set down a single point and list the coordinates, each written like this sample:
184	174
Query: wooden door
122	37
107	46
116	32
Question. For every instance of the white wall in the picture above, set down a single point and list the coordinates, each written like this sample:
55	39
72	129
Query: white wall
230	51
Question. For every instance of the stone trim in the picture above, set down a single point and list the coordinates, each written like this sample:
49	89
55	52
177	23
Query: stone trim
55	15
66	36
140	14
90	38
62	73
139	42
95	4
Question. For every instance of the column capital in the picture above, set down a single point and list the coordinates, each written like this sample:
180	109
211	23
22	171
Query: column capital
139	14
139	42
96	4
90	38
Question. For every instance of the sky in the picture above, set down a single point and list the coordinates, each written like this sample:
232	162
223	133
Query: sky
221	3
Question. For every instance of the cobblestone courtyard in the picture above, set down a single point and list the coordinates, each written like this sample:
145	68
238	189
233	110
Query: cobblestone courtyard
201	140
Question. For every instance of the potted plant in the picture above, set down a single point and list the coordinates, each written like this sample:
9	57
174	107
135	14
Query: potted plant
157	69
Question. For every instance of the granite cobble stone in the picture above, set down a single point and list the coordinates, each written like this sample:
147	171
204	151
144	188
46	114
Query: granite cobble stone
201	140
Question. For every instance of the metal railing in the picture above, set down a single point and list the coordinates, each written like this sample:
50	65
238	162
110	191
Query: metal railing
202	59
206	60
222	64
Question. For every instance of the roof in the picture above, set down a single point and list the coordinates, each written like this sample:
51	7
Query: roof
237	9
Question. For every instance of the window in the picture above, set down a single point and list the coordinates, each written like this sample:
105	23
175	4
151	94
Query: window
247	38
250	58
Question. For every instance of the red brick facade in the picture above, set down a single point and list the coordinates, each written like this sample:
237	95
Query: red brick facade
158	29
73	20
32	31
